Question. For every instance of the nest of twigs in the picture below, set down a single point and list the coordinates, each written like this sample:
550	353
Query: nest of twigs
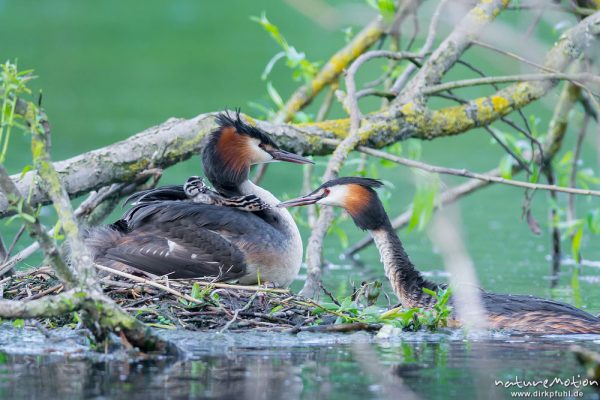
189	304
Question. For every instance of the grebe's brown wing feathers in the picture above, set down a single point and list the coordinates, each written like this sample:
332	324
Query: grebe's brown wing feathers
181	250
536	315
163	193
229	221
188	239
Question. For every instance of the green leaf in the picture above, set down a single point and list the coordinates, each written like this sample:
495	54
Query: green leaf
593	220
506	167
387	9
566	159
28	218
536	173
25	170
272	29
18	323
424	201
576	244
274	95
196	291
276	309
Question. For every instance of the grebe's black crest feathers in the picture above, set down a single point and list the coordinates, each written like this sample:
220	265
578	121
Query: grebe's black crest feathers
346	180
225	120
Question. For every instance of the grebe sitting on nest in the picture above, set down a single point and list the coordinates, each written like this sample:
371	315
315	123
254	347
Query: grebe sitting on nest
163	235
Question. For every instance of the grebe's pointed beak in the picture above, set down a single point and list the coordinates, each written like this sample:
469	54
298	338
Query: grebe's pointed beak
301	201
282	155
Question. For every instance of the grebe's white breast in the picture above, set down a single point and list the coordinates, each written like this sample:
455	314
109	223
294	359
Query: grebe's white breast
281	261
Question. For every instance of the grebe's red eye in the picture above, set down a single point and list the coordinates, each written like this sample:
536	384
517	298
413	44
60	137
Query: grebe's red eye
326	191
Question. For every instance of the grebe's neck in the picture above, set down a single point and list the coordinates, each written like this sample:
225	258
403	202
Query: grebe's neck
280	218
407	282
248	187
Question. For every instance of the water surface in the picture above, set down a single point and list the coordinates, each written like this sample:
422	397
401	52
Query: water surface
280	366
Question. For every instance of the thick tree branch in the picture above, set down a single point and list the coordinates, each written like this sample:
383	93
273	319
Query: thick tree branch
40	142
47	307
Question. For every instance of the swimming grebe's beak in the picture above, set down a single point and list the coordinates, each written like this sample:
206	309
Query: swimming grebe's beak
301	201
282	155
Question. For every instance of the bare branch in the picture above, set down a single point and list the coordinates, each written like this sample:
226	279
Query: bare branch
575	78
431	35
315	242
447	197
449	51
468	174
35	228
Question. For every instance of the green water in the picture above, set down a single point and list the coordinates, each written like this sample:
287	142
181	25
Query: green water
111	69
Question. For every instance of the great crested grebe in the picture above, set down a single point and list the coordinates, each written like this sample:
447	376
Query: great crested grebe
520	313
169	232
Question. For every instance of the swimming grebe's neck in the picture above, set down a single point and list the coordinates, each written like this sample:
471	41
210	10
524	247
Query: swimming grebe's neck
407	282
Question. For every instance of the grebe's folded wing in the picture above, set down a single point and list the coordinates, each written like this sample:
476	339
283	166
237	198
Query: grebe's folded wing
187	239
163	193
180	249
